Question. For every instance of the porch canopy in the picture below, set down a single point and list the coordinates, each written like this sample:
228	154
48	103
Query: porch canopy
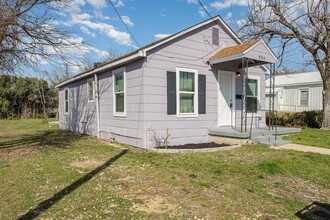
253	53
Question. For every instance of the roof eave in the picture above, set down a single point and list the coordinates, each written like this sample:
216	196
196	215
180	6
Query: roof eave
133	57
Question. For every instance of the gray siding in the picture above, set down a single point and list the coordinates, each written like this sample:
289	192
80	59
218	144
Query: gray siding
82	114
127	129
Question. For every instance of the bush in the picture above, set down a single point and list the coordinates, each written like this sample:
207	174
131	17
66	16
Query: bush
312	119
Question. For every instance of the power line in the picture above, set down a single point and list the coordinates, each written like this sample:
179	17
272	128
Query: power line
113	6
206	10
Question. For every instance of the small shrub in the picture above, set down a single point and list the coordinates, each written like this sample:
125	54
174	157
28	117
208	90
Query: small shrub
312	119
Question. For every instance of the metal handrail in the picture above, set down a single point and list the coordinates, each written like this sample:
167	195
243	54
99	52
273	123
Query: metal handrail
272	125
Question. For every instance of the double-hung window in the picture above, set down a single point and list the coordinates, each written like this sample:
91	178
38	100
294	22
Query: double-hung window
187	100
252	96
66	101
90	90
119	83
303	100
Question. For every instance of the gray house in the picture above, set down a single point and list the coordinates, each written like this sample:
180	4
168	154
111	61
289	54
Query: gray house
297	92
177	88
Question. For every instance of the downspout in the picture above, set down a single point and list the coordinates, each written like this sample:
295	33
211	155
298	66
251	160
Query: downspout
96	84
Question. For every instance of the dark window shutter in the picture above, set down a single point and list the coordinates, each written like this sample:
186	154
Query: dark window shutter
171	93
201	94
215	36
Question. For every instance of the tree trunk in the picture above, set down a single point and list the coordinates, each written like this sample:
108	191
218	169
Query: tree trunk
326	100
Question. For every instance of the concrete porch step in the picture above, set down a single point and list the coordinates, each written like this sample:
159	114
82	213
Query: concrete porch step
258	135
269	140
276	143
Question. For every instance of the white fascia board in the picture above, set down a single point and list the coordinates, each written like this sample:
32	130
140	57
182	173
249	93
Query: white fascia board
139	54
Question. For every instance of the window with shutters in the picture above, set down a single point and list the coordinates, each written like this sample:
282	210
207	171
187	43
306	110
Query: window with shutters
252	96
303	97
187	92
119	92
66	101
90	90
215	36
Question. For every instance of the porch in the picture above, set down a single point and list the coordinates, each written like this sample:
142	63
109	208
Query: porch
271	137
241	96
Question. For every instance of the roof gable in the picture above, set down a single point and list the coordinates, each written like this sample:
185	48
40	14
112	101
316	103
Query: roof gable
142	52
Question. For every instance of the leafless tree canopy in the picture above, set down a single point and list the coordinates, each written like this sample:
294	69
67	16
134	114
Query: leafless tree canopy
306	22
28	34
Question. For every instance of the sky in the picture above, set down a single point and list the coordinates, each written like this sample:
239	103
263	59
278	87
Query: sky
96	23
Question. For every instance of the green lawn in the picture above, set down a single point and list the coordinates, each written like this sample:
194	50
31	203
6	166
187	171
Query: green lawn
52	174
311	137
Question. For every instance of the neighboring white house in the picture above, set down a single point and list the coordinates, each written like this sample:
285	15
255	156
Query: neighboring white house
296	92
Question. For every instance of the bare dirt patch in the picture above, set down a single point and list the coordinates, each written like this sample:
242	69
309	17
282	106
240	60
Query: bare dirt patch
14	153
156	204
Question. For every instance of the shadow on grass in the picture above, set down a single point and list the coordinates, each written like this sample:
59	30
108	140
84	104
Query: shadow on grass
56	138
45	205
316	210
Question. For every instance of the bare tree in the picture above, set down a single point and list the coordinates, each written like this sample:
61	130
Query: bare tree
57	75
29	34
306	22
88	62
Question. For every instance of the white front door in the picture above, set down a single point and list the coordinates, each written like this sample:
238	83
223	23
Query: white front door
226	100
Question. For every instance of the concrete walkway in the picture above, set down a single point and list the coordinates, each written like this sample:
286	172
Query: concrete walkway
304	148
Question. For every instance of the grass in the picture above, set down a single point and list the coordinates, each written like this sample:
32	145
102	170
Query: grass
49	173
311	137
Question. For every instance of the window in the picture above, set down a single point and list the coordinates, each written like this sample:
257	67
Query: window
303	101
90	90
252	96
187	101
215	36
119	92
66	101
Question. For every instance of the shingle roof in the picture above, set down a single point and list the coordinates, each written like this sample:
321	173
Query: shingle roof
233	50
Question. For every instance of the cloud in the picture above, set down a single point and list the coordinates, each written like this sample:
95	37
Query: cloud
192	1
163	13
228	3
74	6
84	19
202	12
229	16
97	3
118	3
161	36
87	31
127	20
240	22
120	37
